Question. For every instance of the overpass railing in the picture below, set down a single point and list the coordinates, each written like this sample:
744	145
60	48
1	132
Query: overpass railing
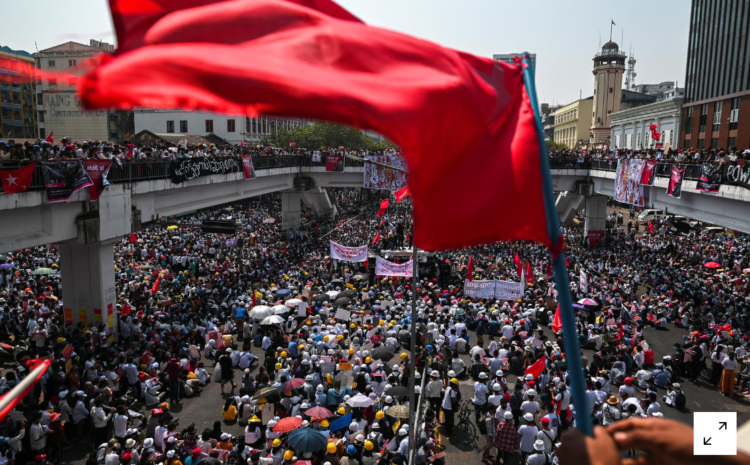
731	174
142	170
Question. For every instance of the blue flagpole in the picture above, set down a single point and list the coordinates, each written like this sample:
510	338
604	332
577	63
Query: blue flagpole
570	335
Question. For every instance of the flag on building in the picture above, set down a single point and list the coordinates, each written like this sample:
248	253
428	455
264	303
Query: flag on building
17	180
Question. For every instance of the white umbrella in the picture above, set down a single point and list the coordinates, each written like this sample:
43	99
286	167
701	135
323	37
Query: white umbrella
291	303
280	309
360	401
332	294
260	311
272	320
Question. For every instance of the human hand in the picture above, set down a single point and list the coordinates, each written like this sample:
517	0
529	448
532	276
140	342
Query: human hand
667	442
579	449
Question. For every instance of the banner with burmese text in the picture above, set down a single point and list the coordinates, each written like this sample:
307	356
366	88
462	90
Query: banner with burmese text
385	268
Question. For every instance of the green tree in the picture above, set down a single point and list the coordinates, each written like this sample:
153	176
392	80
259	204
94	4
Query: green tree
325	135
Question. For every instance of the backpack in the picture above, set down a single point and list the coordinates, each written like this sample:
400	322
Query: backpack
680	401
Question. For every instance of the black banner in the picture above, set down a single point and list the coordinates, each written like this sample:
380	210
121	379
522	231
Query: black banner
191	168
710	178
675	182
63	179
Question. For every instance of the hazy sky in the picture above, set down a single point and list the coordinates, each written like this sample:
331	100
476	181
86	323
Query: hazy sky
564	35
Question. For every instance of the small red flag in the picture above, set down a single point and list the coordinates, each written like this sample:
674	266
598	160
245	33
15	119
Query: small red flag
557	321
367	266
130	151
517	260
133	238
650	228
253	291
536	369
529	272
155	287
470	269
382	222
377	238
18	180
49	138
383	207
402	193
126	309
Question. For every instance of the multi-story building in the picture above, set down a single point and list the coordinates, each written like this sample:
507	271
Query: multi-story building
663	91
572	123
548	120
60	110
716	110
631	128
17	89
233	129
609	67
508	58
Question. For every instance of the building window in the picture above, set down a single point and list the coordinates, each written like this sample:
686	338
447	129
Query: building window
230	125
717	119
71	63
170	127
183	127
701	143
209	125
703	118
611	90
42	133
51	63
715	143
689	120
638	143
732	143
734	114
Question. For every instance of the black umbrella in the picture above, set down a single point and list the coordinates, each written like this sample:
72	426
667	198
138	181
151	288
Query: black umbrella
321	298
342	302
337	282
397	391
382	353
350	293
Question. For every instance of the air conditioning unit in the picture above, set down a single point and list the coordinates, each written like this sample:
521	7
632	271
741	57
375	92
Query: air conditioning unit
303	183
585	188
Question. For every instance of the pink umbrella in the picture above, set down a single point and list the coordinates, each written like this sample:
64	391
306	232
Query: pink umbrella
318	412
712	265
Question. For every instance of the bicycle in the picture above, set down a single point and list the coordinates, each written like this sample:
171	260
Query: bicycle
465	431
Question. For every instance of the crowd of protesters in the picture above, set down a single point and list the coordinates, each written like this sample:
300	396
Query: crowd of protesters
733	156
255	311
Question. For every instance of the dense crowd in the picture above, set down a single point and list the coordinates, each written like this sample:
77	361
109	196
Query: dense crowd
257	312
733	156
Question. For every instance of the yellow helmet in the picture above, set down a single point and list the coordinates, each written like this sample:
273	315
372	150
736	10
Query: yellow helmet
326	338
369	445
301	346
382	322
308	322
454	381
403	355
342	410
368	360
262	400
278	366
276	442
331	448
351	351
324	423
288	455
379	415
353	326
340	337
283	354
60	340
254	419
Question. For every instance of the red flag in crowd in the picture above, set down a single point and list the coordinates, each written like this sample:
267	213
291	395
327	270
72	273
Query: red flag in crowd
133	238
126	309
49	138
402	193
383	207
650	228
549	270
377	238
470	269
37	368
18	180
130	151
382	222
536	369
517	260
155	287
620	332
529	272
557	321
253	297
491	119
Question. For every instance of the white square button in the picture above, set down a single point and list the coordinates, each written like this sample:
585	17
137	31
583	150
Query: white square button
715	433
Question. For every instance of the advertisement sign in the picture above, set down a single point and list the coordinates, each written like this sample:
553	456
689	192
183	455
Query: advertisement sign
384	267
348	254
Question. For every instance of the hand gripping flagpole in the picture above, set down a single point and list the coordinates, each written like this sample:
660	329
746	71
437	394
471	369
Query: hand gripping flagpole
570	335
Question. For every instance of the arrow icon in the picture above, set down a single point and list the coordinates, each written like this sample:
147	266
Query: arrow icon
722	425
706	442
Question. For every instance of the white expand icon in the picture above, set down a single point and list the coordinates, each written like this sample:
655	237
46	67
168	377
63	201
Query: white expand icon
715	433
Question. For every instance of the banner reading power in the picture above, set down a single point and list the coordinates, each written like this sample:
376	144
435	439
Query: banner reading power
63	179
649	173
628	188
710	179
675	182
335	163
191	168
348	254
385	268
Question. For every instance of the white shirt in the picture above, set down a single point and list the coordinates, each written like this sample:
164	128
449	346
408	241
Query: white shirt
449	394
121	425
528	436
480	393
547	437
729	364
37	438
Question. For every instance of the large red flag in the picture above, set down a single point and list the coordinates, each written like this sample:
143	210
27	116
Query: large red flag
18	180
126	309
650	228
517	261
529	272
312	59
133	238
470	269
557	321
620	332
402	193
49	138
377	238
383	207
155	287
537	368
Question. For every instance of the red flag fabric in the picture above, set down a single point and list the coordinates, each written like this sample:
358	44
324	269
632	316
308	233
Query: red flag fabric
529	272
49	138
382	222
130	151
653	127
470	269
402	193
155	287
133	238
126	309
383	207
557	321
650	228
537	368
620	332
517	261
377	238
314	60
18	180
17	394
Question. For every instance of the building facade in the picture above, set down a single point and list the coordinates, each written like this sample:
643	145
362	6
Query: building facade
233	129
631	129
17	89
663	91
572	123
609	67
508	58
716	110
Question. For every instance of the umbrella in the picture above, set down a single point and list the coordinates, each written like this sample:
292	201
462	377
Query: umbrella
287	424
307	440
359	277
259	312
39	271
272	320
582	307
6	266
318	412
350	293
338	282
342	302
144	267
317	298
360	400
746	270
332	294
293	384
265	392
291	303
3	257
175	238
398	411
712	265
382	353
397	391
588	301
280	309
171	228
283	292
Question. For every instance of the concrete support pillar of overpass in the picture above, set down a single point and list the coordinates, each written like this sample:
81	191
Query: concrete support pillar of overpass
88	285
291	210
595	218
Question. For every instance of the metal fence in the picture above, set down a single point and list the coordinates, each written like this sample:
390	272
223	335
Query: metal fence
663	169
